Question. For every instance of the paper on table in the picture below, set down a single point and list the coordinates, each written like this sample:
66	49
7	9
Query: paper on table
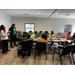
69	41
62	39
73	44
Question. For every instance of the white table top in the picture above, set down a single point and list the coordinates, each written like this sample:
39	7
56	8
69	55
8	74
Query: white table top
55	40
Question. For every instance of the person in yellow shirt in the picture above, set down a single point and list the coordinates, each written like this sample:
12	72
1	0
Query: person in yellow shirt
32	35
42	39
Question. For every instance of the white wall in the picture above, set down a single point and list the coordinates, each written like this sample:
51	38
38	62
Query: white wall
56	24
0	18
5	20
40	24
70	22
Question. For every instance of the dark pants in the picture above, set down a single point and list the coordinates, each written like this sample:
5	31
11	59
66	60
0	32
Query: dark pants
51	43
12	39
39	51
4	46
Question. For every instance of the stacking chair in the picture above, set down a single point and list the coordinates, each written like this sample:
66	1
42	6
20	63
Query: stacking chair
62	51
40	32
35	32
46	31
24	34
73	52
18	35
26	47
40	46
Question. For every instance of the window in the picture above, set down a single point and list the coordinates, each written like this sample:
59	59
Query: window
29	27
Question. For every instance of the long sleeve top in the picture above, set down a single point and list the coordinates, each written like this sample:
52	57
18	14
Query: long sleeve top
42	40
4	35
52	36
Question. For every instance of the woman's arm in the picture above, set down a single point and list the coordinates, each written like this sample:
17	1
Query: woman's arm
3	34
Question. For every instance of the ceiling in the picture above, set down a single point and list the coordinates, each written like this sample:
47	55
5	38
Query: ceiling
40	13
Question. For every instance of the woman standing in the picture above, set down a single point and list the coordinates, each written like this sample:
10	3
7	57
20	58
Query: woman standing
12	35
4	39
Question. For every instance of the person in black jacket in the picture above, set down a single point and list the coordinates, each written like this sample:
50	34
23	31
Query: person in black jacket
12	35
73	37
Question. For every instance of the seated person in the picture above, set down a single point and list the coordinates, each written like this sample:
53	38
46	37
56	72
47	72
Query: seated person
43	39
32	35
52	35
68	37
73	37
41	34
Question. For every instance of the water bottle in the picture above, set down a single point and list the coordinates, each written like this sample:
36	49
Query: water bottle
59	37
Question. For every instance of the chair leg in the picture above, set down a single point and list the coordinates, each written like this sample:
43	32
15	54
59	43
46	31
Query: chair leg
23	56
61	59
53	54
35	55
73	59
70	59
46	55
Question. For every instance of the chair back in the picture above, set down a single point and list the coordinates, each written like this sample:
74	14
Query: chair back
40	46
18	34
27	45
47	34
46	31
40	32
24	34
35	32
67	49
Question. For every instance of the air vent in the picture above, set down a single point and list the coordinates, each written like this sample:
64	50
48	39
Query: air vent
25	13
67	14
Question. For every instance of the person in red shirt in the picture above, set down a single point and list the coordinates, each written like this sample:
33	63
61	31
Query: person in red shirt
68	37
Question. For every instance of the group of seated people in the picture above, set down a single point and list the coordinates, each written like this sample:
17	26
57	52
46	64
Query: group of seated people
44	37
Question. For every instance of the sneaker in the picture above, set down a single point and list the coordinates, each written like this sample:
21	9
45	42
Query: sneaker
4	53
